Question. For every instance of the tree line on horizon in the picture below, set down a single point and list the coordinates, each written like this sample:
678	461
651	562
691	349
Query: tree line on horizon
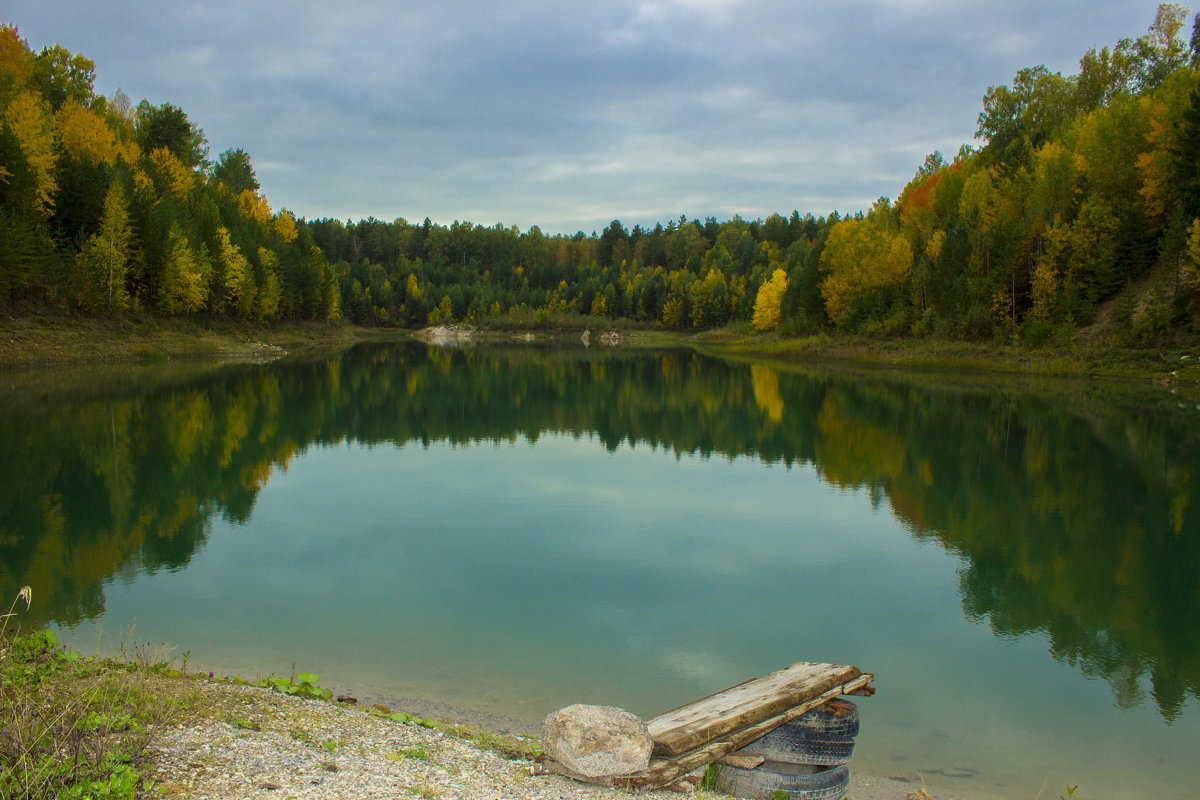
1083	198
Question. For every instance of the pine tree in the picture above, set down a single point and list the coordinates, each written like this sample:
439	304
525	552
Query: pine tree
1187	158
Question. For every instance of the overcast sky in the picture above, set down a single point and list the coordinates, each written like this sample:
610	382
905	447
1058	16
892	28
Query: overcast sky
570	114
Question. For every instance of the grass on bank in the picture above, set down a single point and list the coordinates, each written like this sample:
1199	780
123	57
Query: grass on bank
72	727
1178	365
30	335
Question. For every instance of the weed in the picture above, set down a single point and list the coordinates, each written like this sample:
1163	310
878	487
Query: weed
329	745
144	655
303	684
408	719
300	735
515	748
419	753
1070	792
712	781
422	791
69	727
242	723
25	594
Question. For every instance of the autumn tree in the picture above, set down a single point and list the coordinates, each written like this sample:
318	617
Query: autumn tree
84	134
102	263
768	304
184	283
234	285
266	277
16	61
860	257
27	119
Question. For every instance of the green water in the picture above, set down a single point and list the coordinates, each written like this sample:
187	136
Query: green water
512	530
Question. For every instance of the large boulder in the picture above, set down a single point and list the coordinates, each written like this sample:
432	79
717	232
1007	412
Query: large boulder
596	741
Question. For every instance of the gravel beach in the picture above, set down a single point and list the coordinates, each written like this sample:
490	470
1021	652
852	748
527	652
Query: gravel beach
261	744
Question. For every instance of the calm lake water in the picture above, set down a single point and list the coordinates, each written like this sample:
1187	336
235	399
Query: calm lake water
510	530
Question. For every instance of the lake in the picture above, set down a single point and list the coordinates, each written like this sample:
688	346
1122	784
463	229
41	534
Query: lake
507	530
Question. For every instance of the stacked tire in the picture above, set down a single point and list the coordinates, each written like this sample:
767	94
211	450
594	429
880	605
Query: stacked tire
805	758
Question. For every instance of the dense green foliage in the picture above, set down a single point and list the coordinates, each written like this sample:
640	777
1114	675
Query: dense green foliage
129	474
1083	197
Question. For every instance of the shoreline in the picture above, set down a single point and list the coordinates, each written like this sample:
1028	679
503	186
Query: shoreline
226	754
222	738
31	339
864	785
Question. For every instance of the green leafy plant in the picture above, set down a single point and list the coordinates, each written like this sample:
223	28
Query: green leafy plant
108	720
120	785
400	716
303	684
1070	792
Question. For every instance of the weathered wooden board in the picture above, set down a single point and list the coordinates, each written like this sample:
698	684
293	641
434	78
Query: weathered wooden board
664	771
710	718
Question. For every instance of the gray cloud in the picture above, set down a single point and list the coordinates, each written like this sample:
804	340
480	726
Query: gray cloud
569	114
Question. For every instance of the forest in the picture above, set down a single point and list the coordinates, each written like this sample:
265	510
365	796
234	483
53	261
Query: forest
1079	207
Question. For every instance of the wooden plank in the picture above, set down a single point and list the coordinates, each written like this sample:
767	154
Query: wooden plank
689	726
663	771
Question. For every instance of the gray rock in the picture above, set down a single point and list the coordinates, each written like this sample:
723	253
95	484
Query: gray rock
595	741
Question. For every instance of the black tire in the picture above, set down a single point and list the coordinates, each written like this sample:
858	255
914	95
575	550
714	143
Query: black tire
761	783
820	721
791	745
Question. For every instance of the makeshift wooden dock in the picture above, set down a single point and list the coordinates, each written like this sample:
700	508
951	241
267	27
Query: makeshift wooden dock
692	736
